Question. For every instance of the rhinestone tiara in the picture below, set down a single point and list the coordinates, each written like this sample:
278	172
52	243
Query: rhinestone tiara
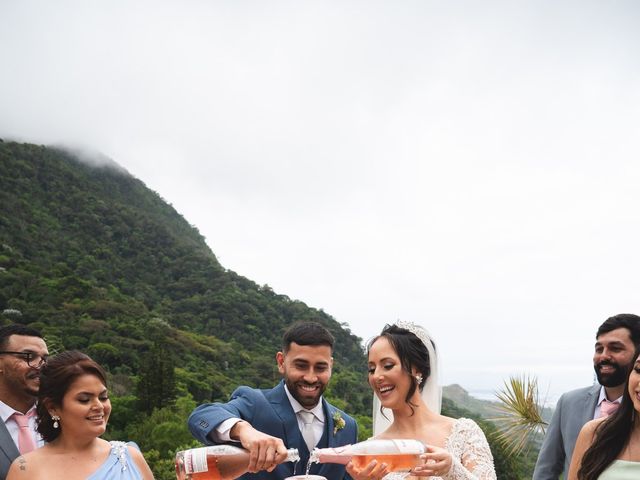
418	331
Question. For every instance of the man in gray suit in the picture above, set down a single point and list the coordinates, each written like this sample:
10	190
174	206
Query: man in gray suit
616	341
23	352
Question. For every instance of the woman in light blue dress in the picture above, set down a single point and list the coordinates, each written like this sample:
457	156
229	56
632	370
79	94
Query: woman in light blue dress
73	410
119	464
609	448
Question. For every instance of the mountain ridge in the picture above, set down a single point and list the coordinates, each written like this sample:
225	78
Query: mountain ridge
94	245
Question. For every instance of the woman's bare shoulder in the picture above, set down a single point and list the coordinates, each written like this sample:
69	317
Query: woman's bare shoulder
140	462
27	466
444	425
591	426
446	420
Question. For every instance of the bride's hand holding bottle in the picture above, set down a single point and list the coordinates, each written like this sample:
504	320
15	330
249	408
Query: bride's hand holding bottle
437	463
373	471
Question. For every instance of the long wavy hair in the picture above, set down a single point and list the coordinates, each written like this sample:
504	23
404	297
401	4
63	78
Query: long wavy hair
611	436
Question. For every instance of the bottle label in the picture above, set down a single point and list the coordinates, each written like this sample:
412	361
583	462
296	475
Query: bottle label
401	455
195	460
388	446
408	446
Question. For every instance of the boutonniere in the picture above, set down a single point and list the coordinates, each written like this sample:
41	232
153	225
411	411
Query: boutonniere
338	422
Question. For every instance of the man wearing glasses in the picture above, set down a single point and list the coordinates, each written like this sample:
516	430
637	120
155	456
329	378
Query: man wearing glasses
23	352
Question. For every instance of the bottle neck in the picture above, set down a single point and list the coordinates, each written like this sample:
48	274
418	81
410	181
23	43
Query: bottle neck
292	455
339	455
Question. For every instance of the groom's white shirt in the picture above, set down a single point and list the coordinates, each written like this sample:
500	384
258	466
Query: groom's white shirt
318	414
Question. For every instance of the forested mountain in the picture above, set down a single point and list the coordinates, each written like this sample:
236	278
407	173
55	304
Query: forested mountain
94	258
100	263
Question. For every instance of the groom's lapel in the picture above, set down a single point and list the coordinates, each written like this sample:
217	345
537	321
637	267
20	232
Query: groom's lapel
329	410
281	405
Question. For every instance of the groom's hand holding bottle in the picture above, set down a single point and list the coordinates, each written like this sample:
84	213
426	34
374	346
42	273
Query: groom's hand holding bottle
265	451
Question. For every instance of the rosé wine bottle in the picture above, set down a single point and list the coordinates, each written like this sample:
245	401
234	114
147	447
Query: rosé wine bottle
400	454
218	462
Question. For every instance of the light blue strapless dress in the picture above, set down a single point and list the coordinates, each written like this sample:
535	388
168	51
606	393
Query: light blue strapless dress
621	470
118	466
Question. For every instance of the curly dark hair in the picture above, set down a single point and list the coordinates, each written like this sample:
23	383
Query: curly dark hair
56	376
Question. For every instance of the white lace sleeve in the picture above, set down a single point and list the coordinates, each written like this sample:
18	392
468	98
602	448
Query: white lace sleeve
472	458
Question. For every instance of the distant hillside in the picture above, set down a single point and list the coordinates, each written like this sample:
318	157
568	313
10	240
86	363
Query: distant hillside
461	397
93	256
485	408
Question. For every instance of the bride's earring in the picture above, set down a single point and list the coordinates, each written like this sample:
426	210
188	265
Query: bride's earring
418	378
55	419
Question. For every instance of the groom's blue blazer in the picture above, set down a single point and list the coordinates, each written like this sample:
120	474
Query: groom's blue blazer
270	411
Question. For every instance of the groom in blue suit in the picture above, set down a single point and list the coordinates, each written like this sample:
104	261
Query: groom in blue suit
293	414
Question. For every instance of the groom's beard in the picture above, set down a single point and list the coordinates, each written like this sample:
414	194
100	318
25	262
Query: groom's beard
611	379
305	398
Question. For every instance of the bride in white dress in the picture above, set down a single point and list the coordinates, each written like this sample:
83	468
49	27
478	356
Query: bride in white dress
403	373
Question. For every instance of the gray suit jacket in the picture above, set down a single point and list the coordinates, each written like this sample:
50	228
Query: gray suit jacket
8	451
574	409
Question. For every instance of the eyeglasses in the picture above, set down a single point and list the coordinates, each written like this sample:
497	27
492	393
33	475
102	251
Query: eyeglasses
33	359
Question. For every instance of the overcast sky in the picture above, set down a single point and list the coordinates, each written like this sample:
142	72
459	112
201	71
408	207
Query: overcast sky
472	166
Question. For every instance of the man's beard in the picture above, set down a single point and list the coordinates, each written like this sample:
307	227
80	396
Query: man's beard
307	401
613	379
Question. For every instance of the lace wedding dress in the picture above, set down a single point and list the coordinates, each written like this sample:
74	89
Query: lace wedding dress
472	459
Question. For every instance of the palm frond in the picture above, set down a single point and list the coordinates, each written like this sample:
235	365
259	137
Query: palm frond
520	416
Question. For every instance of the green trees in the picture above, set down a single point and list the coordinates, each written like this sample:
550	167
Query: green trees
156	387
